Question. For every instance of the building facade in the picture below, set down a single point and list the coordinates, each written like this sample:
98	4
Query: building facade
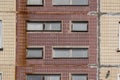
7	39
56	40
110	40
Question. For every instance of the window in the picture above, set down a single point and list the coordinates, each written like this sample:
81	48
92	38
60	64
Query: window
79	77
118	76
70	2
34	2
34	53
0	76
79	26
42	77
43	26
119	36
70	53
0	34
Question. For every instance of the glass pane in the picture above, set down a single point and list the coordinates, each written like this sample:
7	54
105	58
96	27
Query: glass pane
34	26
80	53
52	77
79	2
61	2
79	77
47	26
34	2
0	34
79	26
52	26
36	53
61	52
34	77
55	26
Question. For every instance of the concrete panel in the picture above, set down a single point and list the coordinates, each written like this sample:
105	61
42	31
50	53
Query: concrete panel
109	73
7	55
110	6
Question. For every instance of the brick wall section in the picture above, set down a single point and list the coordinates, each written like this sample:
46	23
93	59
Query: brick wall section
47	65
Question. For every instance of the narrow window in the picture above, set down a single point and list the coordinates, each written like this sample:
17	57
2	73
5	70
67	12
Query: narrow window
70	2
44	26
79	77
0	34
42	77
61	2
34	77
118	76
119	36
70	52
34	53
52	77
79	2
0	76
79	26
34	26
53	26
34	2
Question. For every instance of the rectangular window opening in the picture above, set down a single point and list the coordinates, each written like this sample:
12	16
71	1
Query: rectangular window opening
43	77
79	77
79	26
70	2
1	35
119	37
34	2
44	26
34	53
70	53
0	76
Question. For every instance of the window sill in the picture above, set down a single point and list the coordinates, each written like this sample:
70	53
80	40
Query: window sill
72	5
79	31
69	58
34	5
43	30
34	58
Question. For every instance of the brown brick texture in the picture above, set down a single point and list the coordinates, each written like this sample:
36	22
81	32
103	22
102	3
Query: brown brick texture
48	65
